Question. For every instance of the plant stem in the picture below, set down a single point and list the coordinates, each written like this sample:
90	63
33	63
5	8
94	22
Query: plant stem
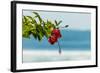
59	47
64	26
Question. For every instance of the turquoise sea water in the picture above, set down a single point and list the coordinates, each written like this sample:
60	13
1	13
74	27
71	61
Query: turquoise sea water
70	40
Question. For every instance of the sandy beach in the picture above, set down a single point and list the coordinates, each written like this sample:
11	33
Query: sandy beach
46	56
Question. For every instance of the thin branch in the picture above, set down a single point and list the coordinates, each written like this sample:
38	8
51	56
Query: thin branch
64	26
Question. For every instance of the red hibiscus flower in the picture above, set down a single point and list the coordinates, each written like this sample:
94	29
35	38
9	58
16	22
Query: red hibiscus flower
56	32
52	39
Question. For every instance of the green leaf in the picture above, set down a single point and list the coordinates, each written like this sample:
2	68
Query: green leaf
39	36
34	33
59	22
32	19
26	34
38	16
56	22
66	25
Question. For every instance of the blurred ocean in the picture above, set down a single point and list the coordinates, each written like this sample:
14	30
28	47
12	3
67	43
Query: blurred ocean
70	40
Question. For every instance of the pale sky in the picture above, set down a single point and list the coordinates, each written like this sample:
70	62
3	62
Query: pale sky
76	21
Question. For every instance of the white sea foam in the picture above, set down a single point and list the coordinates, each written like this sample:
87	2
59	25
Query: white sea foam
43	56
